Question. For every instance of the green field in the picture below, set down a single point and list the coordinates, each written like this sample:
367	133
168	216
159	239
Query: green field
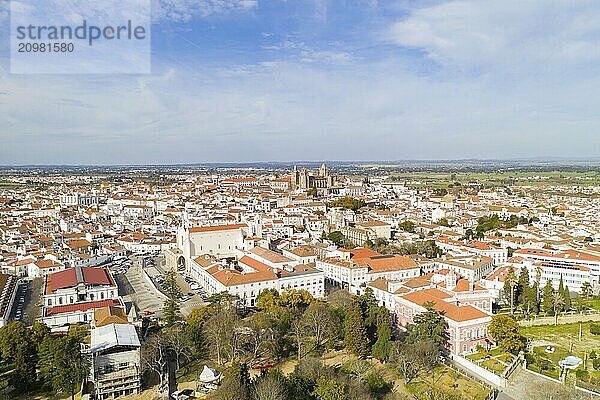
499	178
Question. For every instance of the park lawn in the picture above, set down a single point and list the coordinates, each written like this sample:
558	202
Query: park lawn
595	304
449	381
563	336
493	365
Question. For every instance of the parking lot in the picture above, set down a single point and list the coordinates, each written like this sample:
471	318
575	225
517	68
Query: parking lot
146	297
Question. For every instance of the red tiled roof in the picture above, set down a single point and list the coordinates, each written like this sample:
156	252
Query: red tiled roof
81	307
68	278
217	228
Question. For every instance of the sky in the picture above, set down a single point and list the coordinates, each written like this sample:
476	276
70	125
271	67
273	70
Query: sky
286	80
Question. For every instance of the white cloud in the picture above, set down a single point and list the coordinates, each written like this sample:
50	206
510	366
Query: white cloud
510	35
185	10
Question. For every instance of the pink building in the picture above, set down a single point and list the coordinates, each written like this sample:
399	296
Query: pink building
467	325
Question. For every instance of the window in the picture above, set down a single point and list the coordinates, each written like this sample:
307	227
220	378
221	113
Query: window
49	302
60	300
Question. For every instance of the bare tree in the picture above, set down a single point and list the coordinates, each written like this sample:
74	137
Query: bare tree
155	357
412	360
220	330
321	323
179	342
270	388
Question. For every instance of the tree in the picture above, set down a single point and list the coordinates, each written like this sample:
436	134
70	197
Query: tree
443	222
329	389
195	328
407	226
586	290
268	300
348	203
558	304
179	342
271	386
504	329
17	346
567	298
171	306
312	192
509	288
293	298
382	347
561	292
63	364
429	325
321	323
355	332
220	331
155	357
337	238
548	298
235	386
413	359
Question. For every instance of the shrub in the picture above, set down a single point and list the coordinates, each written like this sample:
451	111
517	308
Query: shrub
582	375
594	329
530	359
545	364
593	355
596	363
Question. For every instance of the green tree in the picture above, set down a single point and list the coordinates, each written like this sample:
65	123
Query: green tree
171	306
586	290
337	238
18	347
429	325
443	222
561	293
268	300
297	299
235	385
505	331
348	203
407	226
382	347
312	192
63	365
510	283
329	389
567	297
195	329
548	298
355	332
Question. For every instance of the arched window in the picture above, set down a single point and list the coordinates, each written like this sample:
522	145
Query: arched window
91	296
71	299
60	300
102	296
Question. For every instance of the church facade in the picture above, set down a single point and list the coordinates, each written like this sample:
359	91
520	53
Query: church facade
303	179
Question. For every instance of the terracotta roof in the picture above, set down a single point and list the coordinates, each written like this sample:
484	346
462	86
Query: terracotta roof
70	277
110	315
217	228
81	307
449	310
386	263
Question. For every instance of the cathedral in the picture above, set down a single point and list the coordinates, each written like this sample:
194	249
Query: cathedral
303	179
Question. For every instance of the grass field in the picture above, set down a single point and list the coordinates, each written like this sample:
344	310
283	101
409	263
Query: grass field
501	178
565	336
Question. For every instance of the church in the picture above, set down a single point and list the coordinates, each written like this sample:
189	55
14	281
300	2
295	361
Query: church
304	179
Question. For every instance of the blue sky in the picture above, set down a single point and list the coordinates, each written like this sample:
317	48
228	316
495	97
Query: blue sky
259	80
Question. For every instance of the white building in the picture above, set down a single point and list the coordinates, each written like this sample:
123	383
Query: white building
115	361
